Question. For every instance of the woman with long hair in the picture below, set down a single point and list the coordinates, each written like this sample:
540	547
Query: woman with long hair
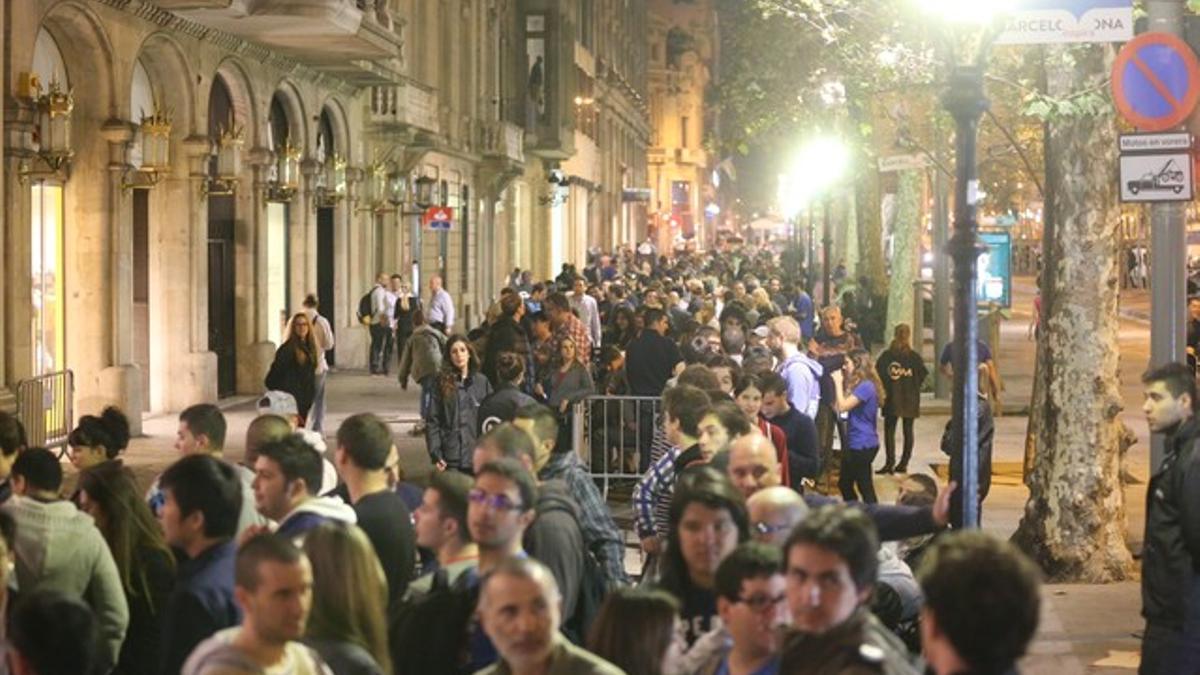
460	388
902	371
622	328
346	624
294	369
571	382
109	493
858	392
634	630
707	520
748	395
98	439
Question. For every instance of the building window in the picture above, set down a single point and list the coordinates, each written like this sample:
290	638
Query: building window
49	336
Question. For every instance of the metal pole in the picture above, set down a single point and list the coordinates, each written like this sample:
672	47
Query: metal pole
966	103
1168	251
826	251
812	248
941	279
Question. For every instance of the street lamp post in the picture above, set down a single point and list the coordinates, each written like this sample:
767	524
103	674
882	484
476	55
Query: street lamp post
826	251
966	103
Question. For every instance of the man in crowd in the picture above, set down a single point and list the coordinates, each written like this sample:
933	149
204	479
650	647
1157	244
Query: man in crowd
651	359
273	586
554	537
506	398
363	446
801	373
35	635
441	306
587	309
505	336
683	408
1171	557
831	568
750	588
199	518
600	533
287	477
981	604
441	527
202	431
58	547
380	321
519	611
12	443
567	327
798	428
830	347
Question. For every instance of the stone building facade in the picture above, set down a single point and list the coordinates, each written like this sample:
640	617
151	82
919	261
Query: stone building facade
161	281
684	50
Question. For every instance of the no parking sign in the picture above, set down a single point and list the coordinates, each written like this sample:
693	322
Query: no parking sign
1156	81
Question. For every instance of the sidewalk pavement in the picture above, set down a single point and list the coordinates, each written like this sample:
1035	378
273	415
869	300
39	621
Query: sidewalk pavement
1081	625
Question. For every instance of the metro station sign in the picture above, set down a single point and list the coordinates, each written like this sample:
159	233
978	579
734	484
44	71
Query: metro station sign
438	218
1043	22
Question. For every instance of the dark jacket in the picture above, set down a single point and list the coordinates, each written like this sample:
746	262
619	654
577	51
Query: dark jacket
501	406
861	645
1171	558
893	522
454	421
902	374
288	374
506	335
804	455
201	604
987	431
555	540
141	652
404	318
345	658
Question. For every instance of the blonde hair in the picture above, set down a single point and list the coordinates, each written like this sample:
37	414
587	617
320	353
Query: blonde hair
864	369
786	328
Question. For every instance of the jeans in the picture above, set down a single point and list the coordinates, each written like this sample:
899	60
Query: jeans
889	440
828	420
427	383
856	473
381	340
316	414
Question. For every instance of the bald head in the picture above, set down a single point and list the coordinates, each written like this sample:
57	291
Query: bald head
775	512
753	464
262	430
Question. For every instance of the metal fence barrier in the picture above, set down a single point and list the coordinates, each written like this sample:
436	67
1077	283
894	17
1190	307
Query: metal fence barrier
613	436
46	409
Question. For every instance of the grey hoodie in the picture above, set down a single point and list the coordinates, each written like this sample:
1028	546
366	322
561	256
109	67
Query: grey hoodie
312	513
59	547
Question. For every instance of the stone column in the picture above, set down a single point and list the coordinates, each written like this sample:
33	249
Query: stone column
304	279
121	381
354	340
16	349
254	359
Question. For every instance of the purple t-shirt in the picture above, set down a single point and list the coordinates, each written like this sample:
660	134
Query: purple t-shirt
861	422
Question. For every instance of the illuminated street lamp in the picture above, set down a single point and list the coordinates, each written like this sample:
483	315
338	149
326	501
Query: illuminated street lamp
814	172
975	23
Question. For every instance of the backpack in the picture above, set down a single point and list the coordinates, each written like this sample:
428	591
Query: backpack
593	588
365	315
428	635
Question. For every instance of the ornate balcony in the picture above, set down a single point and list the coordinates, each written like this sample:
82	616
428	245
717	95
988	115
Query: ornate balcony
405	107
333	33
502	140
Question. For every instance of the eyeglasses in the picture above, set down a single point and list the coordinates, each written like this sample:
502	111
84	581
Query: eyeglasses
496	502
761	603
767	529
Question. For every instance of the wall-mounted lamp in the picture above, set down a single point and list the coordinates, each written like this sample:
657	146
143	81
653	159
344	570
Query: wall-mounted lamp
156	151
224	180
285	175
331	183
53	134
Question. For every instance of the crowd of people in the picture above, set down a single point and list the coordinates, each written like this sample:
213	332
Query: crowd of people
764	547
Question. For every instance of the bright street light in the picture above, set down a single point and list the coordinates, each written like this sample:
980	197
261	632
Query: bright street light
976	12
818	165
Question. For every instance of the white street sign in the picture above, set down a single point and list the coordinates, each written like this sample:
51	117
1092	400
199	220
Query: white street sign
1156	178
1043	22
1155	142
903	163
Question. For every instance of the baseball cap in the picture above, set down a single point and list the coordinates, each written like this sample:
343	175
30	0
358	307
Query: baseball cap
277	402
762	331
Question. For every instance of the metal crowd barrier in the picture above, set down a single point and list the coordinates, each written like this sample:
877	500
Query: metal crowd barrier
610	433
46	409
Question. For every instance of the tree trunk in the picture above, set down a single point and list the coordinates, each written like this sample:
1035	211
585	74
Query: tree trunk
906	239
850	242
1074	522
870	229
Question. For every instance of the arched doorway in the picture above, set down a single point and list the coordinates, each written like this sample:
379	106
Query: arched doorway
222	324
326	150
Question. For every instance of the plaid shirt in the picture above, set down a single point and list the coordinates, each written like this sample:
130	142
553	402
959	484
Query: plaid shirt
573	329
600	533
652	497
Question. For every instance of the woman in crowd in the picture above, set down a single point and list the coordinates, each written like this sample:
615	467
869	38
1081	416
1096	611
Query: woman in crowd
622	329
346	624
109	493
571	382
453	424
747	393
902	371
295	367
858	392
98	439
707	521
635	630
